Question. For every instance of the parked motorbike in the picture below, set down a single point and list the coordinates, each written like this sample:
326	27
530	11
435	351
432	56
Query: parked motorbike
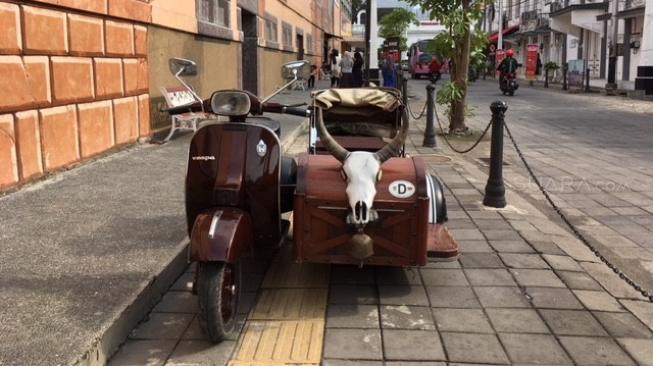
356	197
509	84
237	187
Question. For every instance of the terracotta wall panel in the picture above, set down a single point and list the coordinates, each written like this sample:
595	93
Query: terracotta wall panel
11	40
125	111
94	6
45	31
108	78
130	70
131	9
86	35
95	127
72	79
37	69
8	163
144	123
15	92
59	136
119	38
140	40
28	141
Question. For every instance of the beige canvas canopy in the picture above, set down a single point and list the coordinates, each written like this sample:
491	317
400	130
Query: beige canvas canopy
385	99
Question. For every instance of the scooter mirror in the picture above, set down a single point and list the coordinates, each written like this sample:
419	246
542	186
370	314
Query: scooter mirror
301	69
230	103
182	67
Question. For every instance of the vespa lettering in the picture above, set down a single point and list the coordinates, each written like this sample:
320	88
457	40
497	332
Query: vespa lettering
204	157
401	189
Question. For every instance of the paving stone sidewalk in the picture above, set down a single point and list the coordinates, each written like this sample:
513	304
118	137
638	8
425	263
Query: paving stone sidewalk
524	291
592	153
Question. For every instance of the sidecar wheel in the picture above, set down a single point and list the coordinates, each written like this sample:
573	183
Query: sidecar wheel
218	292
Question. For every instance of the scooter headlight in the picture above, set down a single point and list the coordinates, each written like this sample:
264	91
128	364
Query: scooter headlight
230	103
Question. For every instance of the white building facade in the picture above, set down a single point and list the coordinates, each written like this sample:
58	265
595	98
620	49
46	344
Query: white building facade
581	33
426	29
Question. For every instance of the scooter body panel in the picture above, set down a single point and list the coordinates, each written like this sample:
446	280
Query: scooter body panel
236	165
220	234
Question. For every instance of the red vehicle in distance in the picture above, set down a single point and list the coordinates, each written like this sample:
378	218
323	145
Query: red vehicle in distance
419	60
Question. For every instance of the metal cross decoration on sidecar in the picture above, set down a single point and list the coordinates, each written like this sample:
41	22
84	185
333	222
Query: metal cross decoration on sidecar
355	198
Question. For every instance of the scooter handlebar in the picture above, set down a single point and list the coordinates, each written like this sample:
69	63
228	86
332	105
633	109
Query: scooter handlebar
193	107
295	110
298	111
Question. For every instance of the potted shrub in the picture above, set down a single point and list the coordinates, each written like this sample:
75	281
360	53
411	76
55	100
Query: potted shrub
547	67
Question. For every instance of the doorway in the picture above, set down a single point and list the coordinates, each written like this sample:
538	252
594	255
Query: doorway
300	46
249	55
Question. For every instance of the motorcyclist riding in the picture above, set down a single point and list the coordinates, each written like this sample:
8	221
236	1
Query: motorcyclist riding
507	66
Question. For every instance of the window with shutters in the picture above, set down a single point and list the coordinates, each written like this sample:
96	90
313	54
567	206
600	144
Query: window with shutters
214	11
271	30
287	34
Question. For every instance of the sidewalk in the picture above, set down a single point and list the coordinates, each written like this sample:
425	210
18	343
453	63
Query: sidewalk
88	252
524	291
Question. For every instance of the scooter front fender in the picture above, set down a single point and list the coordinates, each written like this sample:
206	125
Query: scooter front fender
220	234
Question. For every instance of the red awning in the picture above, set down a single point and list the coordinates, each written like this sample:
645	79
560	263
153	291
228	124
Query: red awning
494	38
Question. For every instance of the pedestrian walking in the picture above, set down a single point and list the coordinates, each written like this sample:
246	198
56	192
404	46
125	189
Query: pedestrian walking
389	72
346	68
334	61
434	68
357	70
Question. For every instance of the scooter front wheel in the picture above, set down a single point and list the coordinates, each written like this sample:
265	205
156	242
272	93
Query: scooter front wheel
218	292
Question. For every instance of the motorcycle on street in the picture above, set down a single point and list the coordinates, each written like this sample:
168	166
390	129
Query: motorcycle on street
508	84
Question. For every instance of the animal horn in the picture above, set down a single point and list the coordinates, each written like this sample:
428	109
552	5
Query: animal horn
328	141
393	148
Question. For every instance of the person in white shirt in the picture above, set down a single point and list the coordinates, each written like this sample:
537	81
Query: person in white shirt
346	66
334	60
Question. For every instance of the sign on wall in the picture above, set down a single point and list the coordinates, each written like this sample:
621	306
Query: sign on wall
531	61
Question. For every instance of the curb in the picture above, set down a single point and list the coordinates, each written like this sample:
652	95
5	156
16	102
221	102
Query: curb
294	135
144	301
150	293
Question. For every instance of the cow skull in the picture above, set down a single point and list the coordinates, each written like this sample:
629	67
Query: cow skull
361	170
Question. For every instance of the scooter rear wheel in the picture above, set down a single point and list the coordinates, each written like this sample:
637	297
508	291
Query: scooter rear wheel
218	292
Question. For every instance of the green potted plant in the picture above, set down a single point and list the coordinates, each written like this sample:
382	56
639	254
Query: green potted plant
547	67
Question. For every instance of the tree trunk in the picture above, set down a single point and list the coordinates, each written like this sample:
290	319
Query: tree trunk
461	72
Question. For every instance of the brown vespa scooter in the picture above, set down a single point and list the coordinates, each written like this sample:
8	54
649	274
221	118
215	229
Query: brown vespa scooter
237	186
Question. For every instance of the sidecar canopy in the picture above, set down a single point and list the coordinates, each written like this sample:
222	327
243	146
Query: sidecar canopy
358	118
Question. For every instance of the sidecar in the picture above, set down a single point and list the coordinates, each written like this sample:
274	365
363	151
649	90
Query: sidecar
408	213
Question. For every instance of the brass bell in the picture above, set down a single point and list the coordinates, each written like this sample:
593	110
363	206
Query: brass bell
362	246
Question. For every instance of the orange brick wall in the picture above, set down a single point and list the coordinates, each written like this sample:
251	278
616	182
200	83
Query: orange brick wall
74	82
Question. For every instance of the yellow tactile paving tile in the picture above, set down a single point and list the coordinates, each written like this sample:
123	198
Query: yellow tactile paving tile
286	274
290	304
281	342
245	363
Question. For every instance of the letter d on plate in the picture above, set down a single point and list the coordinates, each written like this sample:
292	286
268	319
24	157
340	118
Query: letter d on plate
401	189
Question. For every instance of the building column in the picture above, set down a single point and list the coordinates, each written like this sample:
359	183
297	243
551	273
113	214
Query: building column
374	42
644	80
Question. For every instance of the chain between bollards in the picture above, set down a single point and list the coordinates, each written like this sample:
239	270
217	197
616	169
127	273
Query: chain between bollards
404	89
429	132
495	191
